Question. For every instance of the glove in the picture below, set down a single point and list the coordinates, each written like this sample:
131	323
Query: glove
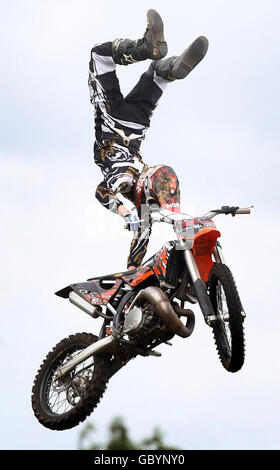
132	222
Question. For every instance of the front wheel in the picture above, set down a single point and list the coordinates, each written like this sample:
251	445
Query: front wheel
64	403
228	329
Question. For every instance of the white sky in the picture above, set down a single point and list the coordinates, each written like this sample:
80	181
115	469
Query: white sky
219	129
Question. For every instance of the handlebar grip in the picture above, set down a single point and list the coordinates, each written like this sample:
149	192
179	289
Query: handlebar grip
244	210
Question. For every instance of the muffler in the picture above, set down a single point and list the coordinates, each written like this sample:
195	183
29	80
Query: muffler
163	308
81	303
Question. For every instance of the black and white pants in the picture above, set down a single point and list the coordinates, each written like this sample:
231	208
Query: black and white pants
120	127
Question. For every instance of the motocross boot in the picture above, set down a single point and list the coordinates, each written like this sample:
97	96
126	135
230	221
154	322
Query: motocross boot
178	67
151	46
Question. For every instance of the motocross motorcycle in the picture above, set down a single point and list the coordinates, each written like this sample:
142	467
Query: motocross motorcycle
143	308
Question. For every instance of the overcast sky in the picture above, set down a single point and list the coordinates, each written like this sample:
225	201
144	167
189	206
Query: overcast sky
219	129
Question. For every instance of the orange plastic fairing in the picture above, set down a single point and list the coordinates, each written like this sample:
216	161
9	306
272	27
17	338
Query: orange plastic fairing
203	246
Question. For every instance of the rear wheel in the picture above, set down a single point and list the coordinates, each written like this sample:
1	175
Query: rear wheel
228	329
64	403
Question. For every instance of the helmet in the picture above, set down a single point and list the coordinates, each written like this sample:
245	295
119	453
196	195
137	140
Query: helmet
158	186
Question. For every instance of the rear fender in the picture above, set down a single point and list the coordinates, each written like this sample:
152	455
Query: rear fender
99	291
92	291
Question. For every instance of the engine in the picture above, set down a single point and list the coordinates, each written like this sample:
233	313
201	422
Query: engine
140	321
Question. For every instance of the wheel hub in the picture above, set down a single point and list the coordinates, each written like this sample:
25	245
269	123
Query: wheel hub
77	387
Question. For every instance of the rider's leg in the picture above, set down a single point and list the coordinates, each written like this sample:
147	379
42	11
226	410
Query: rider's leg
104	85
144	97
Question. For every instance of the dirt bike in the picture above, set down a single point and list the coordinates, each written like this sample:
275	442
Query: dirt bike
141	309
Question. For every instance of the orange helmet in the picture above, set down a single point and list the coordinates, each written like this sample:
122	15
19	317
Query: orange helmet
158	185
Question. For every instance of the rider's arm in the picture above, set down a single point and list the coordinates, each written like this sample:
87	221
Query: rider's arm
122	210
138	247
107	197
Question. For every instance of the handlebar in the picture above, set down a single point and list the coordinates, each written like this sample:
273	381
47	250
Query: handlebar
233	210
169	217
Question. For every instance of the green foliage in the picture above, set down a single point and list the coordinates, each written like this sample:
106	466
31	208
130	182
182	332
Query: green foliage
119	438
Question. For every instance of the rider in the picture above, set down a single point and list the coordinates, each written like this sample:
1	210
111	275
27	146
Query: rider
121	123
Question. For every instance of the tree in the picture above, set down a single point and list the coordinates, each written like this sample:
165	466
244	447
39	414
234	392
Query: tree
119	438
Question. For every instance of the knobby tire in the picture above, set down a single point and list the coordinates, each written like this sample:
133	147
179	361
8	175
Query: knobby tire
231	353
95	387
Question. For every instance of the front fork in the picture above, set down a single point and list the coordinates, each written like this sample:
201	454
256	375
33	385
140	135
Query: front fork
218	254
199	286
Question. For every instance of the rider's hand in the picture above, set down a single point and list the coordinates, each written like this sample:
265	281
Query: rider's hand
132	222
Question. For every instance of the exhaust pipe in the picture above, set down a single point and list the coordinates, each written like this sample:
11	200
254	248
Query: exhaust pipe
163	308
190	317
